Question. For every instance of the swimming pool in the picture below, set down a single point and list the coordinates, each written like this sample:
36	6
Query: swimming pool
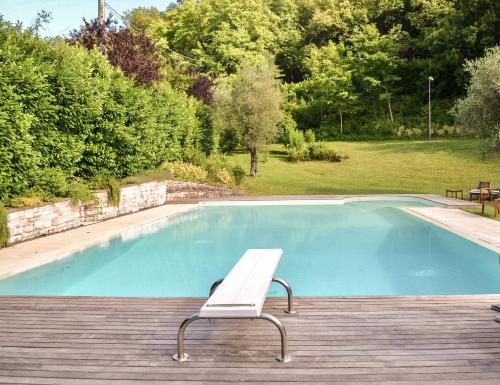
356	248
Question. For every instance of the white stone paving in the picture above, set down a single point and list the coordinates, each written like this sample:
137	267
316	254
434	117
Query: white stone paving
484	231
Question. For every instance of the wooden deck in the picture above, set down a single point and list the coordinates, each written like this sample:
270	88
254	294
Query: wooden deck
355	341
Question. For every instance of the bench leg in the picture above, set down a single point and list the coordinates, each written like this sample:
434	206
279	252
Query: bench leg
289	293
284	343
181	356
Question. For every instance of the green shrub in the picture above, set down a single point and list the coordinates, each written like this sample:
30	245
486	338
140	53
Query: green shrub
321	151
295	155
214	167
238	174
186	171
4	229
154	175
78	192
309	136
66	111
294	139
25	201
52	181
112	187
197	157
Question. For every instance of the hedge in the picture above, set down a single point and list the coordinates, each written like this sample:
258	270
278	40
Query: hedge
64	107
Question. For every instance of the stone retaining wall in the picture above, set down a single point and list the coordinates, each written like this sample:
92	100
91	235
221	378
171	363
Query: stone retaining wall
33	222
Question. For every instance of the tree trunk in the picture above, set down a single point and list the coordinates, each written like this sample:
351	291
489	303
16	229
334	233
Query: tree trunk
389	104
341	121
253	161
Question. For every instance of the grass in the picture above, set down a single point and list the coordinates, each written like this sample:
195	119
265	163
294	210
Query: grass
375	168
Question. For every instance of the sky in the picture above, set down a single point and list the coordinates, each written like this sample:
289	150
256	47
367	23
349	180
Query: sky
66	14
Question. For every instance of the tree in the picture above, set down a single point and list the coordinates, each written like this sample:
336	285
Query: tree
249	104
330	82
133	52
479	112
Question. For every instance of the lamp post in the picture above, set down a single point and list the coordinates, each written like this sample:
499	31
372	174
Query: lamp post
431	79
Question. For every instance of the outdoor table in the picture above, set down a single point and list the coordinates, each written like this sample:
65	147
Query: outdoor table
454	192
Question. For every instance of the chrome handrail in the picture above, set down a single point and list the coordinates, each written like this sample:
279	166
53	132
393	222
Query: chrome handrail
181	355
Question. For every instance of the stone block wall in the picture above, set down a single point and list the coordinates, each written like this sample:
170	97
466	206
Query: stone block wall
50	218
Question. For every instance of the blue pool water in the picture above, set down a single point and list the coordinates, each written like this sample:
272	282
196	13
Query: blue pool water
359	248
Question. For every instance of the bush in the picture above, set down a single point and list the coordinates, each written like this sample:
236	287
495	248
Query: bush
216	166
309	136
78	192
320	151
66	111
154	175
112	187
186	171
295	155
4	229
238	174
52	182
294	139
25	201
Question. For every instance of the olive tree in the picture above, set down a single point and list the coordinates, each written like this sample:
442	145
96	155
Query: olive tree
479	112
248	104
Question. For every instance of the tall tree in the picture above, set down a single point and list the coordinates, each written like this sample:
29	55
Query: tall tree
479	112
250	104
330	82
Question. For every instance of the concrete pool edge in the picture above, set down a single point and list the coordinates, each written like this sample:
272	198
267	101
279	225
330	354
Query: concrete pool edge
482	231
40	251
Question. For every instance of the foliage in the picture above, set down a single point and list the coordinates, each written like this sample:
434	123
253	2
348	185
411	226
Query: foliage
112	187
25	201
218	34
321	151
294	139
154	175
4	229
213	169
355	68
78	192
309	136
249	105
67	109
186	171
52	182
201	89
238	174
134	53
479	112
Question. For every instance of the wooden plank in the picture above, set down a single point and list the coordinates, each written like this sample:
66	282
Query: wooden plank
357	341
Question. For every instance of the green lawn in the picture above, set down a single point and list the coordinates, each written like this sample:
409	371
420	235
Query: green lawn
375	167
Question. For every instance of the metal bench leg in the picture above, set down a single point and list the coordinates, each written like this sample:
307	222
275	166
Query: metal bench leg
289	293
181	356
284	343
214	286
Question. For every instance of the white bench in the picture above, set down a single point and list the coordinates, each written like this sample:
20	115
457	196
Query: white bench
241	295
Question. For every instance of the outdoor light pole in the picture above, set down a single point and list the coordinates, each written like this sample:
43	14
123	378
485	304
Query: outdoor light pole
431	79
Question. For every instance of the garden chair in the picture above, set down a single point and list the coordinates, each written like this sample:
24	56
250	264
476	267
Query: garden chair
481	191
